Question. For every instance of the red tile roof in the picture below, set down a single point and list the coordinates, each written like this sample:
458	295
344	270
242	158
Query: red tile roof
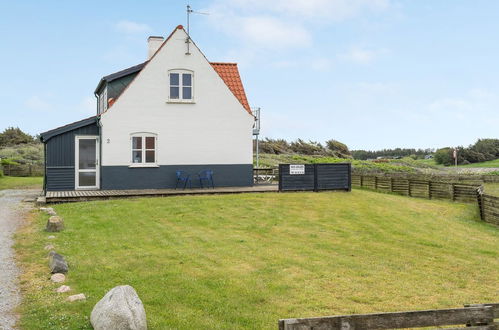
230	75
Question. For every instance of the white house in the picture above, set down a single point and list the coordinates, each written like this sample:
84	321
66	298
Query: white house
175	112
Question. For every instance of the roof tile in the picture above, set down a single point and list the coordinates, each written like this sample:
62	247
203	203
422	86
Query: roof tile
230	75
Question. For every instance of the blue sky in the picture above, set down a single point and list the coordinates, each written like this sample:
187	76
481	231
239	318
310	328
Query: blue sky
370	73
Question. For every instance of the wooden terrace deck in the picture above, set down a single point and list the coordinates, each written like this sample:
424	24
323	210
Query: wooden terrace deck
87	195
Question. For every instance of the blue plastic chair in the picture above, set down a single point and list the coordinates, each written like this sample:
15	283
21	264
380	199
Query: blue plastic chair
183	176
206	175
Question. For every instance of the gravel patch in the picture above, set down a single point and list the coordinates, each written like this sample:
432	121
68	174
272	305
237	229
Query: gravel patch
12	212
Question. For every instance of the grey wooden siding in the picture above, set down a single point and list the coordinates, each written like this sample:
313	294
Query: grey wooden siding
296	182
317	177
115	87
333	176
60	178
60	158
60	148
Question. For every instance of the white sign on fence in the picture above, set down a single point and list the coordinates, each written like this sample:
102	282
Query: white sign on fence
296	169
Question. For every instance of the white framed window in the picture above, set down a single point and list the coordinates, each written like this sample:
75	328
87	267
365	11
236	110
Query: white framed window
143	149
103	101
181	86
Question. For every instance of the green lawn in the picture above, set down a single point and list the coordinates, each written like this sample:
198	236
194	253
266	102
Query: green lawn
12	182
490	163
244	261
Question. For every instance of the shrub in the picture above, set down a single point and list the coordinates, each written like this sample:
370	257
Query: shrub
274	146
443	156
12	136
487	147
338	149
307	148
24	153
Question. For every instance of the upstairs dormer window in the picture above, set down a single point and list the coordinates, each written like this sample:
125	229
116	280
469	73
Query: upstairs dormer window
181	86
103	101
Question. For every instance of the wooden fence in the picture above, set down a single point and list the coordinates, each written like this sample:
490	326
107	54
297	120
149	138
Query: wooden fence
473	316
489	207
415	187
23	170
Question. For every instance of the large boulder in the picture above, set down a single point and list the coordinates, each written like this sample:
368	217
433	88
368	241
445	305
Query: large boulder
57	263
54	224
120	308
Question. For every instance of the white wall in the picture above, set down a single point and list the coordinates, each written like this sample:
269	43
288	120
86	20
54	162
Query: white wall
215	130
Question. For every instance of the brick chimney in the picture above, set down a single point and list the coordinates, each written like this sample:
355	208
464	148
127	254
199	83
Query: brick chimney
153	43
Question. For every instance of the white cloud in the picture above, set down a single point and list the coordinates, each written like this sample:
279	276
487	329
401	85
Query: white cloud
38	103
87	106
273	33
261	32
283	24
321	64
363	55
450	104
336	10
476	107
131	27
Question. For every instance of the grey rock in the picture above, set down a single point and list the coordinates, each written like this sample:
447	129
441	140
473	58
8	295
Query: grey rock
58	278
49	247
48	210
120	308
76	297
63	289
57	263
55	224
51	237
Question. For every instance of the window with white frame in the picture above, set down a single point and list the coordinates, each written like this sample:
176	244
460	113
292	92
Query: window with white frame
143	149
181	85
103	101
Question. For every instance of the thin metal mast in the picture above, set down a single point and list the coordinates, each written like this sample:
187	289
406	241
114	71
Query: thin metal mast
188	41
189	12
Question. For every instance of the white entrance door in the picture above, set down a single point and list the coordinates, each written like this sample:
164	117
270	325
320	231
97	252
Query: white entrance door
87	162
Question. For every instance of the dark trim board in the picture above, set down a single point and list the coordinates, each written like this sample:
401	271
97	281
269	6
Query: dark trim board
46	136
163	177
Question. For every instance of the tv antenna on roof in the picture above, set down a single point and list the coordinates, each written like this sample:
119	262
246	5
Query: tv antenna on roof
189	12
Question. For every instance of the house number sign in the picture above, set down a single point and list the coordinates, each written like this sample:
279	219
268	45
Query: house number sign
296	169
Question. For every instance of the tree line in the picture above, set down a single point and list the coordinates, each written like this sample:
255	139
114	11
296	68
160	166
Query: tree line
483	150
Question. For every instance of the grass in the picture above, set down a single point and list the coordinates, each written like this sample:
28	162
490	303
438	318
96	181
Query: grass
490	163
245	261
11	182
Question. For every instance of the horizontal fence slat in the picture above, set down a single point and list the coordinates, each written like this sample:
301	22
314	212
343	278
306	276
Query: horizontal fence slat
430	318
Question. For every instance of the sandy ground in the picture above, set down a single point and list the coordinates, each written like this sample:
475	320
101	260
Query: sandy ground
12	211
